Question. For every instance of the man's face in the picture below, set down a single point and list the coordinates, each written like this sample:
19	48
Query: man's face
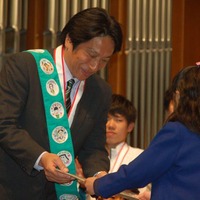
89	57
117	129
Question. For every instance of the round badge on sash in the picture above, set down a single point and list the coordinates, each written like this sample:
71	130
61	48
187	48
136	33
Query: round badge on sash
68	197
66	157
52	87
46	66
57	110
59	134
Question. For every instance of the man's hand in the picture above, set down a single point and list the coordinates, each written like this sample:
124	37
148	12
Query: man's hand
79	170
50	162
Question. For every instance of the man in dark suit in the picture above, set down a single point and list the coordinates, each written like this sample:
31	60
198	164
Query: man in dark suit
27	165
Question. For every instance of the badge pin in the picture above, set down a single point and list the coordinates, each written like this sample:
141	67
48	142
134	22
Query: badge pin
46	66
66	157
52	87
57	110
59	134
68	197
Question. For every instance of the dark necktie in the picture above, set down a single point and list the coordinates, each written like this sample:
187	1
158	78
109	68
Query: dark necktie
70	84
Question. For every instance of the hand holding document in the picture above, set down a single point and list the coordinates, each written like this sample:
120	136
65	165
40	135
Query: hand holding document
80	179
129	195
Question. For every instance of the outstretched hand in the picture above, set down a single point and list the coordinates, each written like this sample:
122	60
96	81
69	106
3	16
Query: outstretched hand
88	184
50	162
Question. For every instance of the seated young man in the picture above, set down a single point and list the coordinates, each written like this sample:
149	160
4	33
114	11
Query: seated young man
120	123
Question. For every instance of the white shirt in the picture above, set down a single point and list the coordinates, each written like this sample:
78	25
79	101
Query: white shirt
122	154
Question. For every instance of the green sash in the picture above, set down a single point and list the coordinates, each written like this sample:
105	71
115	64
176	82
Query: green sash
57	121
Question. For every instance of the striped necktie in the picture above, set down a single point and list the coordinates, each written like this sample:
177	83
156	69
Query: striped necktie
70	84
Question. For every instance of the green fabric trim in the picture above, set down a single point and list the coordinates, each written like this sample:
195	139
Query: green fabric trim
56	118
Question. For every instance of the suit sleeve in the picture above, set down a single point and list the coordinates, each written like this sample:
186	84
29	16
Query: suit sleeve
14	94
93	155
146	168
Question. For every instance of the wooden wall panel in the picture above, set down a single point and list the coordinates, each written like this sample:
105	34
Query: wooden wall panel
185	34
36	23
177	35
191	48
117	67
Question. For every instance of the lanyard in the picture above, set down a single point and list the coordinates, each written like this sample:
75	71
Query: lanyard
60	65
116	161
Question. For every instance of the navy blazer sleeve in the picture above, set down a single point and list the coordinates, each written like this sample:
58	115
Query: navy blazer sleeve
147	167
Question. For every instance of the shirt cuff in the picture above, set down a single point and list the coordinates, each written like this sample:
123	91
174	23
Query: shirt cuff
37	166
95	175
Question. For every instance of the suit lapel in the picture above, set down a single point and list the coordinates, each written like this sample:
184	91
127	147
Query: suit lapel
83	106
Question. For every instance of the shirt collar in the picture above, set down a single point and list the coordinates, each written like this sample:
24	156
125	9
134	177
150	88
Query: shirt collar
68	74
114	151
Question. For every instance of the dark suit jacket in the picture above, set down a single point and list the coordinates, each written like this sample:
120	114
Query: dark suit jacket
23	131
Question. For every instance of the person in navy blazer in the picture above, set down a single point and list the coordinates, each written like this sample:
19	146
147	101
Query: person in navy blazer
171	162
27	167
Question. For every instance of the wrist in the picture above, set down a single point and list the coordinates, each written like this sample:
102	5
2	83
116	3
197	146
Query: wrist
100	174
